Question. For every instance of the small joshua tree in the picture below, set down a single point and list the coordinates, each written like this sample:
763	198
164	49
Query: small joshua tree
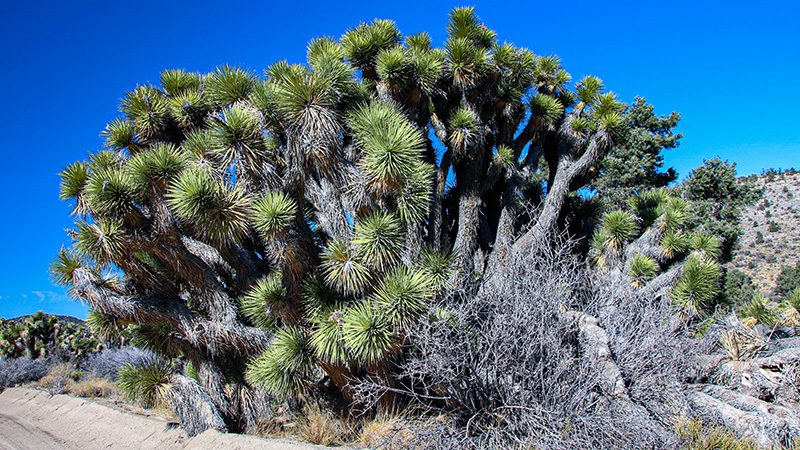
652	245
272	230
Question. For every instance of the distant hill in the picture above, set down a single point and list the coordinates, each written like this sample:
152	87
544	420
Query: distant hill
68	319
771	237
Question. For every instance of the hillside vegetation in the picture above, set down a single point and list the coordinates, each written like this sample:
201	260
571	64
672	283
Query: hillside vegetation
771	229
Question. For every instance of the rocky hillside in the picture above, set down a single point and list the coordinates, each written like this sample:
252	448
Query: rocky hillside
771	237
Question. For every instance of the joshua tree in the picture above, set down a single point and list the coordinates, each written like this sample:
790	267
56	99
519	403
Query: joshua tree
299	223
42	335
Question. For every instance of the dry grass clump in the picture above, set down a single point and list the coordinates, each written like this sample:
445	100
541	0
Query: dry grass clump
378	433
739	340
274	427
322	427
92	387
388	433
57	378
314	424
693	435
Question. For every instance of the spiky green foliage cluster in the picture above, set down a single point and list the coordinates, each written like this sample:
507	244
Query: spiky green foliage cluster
761	310
146	384
698	287
642	268
288	365
652	236
267	295
618	228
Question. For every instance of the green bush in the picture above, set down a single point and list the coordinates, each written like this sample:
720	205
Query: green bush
788	280
738	288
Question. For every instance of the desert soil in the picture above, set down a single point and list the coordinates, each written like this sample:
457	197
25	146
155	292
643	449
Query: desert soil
33	419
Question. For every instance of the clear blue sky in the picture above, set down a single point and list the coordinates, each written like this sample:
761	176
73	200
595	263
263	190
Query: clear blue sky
731	69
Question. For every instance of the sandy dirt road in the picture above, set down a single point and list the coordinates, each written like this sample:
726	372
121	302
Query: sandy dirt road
34	420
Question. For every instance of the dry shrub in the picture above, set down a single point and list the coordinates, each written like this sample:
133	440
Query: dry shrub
108	362
378	433
21	370
57	378
322	427
274	427
506	365
791	317
92	387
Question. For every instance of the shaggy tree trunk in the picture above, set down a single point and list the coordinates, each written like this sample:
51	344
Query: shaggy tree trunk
196	411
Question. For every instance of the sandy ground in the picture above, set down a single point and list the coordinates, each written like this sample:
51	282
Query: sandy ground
33	419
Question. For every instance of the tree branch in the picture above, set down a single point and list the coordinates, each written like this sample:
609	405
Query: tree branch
212	335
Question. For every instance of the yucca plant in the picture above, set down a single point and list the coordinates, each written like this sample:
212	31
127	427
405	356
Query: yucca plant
618	228
42	335
698	286
274	230
145	384
641	269
760	310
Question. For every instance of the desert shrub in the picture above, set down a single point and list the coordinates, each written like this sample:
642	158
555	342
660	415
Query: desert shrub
146	384
793	299
395	433
15	371
107	363
506	363
58	377
92	387
738	288
788	280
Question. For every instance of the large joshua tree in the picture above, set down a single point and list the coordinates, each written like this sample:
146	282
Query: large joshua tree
281	230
